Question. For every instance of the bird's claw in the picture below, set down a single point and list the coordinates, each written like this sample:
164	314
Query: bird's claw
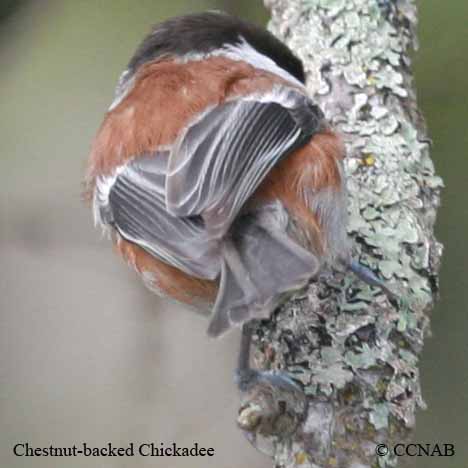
273	405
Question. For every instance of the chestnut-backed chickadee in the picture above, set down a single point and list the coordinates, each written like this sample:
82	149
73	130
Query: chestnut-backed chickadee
218	176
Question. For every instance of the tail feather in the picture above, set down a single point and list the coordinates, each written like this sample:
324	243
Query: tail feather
259	264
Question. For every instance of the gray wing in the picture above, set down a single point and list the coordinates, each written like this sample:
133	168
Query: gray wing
224	156
136	207
260	263
161	201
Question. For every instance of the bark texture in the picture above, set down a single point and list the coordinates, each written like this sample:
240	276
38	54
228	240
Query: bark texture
355	352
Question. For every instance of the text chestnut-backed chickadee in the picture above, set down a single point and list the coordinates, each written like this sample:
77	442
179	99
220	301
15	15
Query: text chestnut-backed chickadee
217	175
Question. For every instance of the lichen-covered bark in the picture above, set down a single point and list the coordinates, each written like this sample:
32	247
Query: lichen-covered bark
356	352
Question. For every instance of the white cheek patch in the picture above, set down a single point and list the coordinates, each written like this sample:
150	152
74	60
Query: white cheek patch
246	53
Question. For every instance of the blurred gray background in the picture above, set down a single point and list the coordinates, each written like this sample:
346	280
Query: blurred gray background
86	353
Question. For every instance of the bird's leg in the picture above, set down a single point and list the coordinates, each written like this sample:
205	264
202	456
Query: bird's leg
246	377
370	278
273	404
244	373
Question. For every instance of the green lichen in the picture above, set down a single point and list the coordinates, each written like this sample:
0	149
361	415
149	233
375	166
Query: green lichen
347	341
379	415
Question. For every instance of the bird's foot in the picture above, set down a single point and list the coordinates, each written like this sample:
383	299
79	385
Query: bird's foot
248	378
272	407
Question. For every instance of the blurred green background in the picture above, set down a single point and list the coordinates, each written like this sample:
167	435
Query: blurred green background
86	352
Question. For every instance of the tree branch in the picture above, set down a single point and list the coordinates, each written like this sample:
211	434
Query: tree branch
355	352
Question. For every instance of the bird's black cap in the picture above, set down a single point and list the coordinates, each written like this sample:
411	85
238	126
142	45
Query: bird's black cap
206	32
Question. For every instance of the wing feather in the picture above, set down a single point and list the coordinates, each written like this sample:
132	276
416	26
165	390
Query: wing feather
139	214
217	164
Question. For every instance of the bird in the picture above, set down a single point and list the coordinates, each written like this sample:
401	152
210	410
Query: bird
218	177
